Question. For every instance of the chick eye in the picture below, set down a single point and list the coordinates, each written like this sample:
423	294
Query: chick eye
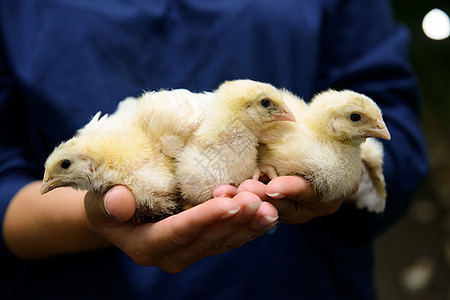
355	117
65	164
266	103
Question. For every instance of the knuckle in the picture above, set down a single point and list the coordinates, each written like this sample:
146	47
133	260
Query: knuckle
141	259
180	240
214	247
208	247
144	258
170	263
173	268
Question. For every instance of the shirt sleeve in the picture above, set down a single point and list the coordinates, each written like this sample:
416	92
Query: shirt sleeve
366	51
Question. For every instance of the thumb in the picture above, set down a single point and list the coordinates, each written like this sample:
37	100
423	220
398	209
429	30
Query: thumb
119	202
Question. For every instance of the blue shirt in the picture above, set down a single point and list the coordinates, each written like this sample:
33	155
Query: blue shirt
61	61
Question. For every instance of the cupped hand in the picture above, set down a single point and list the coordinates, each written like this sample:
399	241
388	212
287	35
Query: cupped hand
293	197
178	241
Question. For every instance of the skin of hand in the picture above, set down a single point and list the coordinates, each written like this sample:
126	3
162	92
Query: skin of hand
178	241
292	196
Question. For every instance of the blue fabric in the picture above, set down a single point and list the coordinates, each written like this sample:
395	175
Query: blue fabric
63	60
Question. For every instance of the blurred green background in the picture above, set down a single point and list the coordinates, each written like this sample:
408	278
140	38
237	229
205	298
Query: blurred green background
413	258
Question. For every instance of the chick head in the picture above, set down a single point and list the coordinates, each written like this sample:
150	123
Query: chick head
68	166
257	104
347	116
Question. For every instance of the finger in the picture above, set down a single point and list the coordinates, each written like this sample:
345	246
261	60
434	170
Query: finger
119	202
156	243
231	234
289	210
204	247
249	203
214	240
95	210
264	219
266	216
290	187
298	212
180	234
253	186
184	227
225	190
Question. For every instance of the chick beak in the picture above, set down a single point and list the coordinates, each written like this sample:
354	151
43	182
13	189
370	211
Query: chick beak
380	131
284	115
48	185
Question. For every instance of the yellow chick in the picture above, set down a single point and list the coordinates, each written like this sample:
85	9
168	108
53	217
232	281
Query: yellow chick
324	145
128	148
223	149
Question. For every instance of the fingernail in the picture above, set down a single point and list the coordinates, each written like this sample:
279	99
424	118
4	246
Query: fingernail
105	199
223	195
274	195
230	213
254	205
266	221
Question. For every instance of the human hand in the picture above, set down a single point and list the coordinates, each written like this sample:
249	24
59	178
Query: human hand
178	241
293	197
